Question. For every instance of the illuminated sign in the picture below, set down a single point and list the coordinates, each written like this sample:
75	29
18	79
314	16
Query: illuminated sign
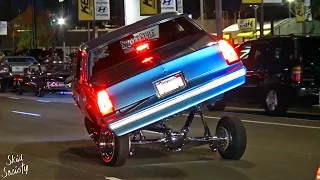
149	7
251	1
85	10
168	6
246	24
102	10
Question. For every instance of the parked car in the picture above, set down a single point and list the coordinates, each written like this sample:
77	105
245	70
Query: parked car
44	78
137	77
282	71
11	66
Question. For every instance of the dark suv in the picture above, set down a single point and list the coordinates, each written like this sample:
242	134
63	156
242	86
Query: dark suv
282	71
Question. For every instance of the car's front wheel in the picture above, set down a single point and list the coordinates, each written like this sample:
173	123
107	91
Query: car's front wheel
232	138
114	149
275	102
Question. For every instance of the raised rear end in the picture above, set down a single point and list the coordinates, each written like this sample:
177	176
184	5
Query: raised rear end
157	72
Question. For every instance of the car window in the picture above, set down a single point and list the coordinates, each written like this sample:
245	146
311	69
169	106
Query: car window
18	59
156	36
261	54
283	54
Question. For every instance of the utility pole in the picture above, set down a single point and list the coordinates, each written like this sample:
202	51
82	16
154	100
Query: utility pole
261	21
255	7
219	18
202	13
34	24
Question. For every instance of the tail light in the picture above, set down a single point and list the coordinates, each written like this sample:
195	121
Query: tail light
228	52
18	79
296	75
104	103
142	47
318	174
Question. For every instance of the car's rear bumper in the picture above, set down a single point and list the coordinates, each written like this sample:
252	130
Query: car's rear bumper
307	95
178	103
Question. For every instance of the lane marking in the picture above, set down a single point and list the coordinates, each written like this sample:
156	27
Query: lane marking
112	178
25	113
13	98
283	118
174	163
264	122
45	101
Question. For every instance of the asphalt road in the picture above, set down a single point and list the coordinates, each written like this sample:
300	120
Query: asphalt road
54	145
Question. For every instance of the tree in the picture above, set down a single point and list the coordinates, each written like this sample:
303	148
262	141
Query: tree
315	9
21	27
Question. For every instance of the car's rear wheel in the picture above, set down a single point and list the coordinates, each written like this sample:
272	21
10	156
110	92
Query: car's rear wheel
114	149
275	102
233	138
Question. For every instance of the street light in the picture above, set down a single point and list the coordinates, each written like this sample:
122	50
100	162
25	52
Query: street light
289	7
61	21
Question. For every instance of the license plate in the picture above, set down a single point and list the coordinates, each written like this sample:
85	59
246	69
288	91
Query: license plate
15	68
170	85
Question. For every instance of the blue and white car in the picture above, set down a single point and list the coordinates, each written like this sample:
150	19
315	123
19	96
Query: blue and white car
139	76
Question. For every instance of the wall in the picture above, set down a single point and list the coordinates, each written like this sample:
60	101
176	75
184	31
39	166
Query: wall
132	11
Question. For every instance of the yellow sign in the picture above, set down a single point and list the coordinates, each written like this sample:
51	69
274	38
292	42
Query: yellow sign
149	7
251	1
246	24
299	5
85	10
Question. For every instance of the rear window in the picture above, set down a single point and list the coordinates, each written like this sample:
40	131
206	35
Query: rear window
310	50
157	36
17	60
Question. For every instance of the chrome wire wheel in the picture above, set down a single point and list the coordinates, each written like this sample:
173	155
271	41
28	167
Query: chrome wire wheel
224	137
107	145
272	100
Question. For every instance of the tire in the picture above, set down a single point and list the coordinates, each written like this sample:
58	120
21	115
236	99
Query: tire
217	106
275	102
114	154
235	145
2	86
39	93
18	89
93	131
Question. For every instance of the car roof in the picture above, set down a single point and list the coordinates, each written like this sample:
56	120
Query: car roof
123	31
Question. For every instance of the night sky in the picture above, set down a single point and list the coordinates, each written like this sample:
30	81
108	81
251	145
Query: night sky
190	7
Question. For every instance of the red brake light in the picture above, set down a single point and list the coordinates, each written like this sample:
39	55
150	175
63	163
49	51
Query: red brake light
147	59
228	52
142	47
104	103
296	74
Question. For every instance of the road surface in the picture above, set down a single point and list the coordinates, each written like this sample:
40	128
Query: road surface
54	144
